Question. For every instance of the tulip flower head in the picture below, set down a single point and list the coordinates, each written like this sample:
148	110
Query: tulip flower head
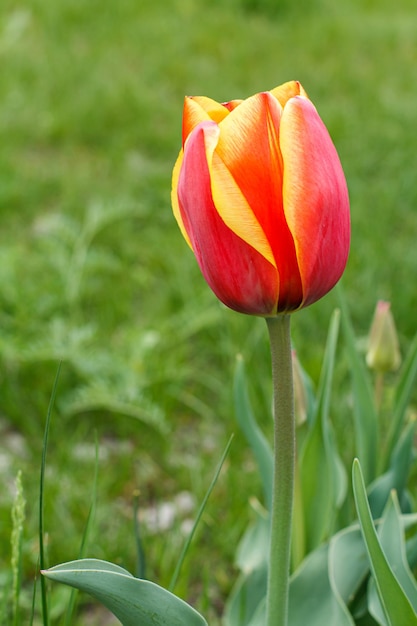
259	194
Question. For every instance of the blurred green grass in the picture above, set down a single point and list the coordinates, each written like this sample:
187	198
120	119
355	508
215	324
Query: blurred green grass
94	272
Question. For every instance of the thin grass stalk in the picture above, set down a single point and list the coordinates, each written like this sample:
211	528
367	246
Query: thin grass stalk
187	543
140	553
86	534
42	564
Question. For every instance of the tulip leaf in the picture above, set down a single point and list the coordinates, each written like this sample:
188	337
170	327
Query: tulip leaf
312	600
259	618
411	547
247	595
365	414
319	457
395	604
254	436
348	563
250	588
133	601
391	536
402	394
253	548
397	474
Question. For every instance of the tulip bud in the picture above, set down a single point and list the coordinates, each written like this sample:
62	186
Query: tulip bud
259	194
383	353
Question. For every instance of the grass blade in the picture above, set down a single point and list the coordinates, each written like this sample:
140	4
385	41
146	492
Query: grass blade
86	534
140	552
33	604
199	514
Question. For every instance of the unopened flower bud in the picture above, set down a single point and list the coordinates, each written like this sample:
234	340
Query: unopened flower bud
383	353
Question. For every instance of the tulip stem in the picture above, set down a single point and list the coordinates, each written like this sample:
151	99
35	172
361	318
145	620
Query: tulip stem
284	467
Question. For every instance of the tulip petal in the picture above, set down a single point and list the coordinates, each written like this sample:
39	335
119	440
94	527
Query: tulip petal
174	197
316	202
249	149
232	104
237	273
288	90
234	209
200	109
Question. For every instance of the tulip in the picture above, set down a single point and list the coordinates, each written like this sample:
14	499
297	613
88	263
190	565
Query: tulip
259	194
383	354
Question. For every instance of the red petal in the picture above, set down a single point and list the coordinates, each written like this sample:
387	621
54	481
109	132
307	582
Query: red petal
316	202
249	148
240	277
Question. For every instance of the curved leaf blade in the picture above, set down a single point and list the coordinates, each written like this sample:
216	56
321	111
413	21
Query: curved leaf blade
249	592
391	536
312	600
397	607
348	563
319	457
133	601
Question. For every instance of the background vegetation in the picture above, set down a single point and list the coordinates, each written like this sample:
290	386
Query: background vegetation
94	272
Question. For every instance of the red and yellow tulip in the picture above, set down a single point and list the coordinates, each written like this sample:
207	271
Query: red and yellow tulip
260	196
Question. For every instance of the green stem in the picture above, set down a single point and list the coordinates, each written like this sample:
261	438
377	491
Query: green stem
284	464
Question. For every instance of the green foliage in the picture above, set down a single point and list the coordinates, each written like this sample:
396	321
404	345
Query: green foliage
93	272
319	456
254	436
332	579
397	475
132	600
397	606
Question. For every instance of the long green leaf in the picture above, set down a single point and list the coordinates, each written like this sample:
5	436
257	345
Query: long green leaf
254	436
365	415
322	475
312	600
248	593
402	395
250	588
397	474
42	563
396	606
133	601
392	540
86	534
348	563
259	617
253	548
